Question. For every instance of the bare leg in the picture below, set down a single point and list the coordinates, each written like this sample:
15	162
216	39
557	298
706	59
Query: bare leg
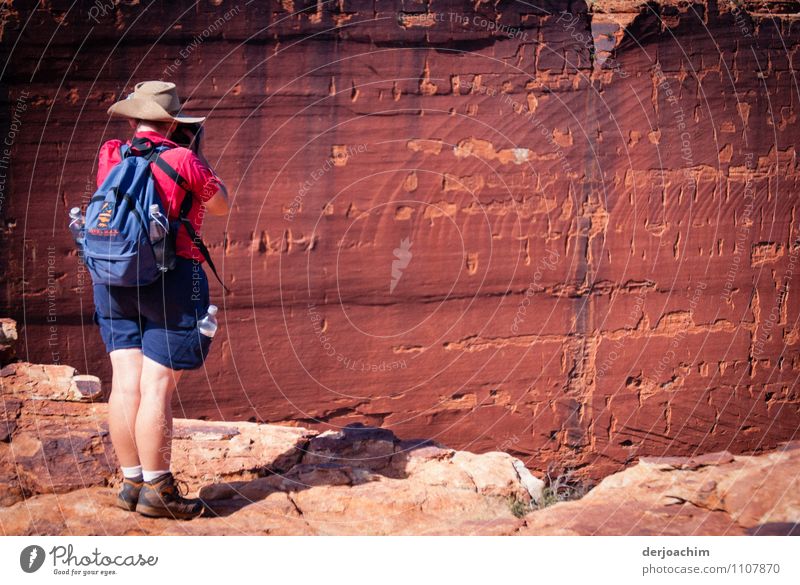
154	420
123	403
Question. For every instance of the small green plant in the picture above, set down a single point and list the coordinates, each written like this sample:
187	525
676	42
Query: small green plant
520	507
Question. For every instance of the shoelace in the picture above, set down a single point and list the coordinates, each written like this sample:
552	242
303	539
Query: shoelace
181	487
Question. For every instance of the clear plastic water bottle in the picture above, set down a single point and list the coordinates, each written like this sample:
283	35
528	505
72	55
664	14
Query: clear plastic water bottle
208	324
159	226
76	224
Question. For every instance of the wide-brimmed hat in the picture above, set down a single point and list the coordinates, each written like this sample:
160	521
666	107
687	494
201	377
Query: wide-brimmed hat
156	101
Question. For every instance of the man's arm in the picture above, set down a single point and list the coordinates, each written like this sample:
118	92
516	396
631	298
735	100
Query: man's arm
216	204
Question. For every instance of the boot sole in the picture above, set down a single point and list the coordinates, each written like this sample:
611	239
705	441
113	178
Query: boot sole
127	506
153	512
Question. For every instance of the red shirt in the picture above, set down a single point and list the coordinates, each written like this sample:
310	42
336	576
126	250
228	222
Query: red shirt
202	182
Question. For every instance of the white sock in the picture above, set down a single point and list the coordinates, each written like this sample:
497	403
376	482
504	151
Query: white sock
132	472
151	475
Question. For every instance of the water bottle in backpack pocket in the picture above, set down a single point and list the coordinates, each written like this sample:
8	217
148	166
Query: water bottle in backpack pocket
119	224
162	237
76	225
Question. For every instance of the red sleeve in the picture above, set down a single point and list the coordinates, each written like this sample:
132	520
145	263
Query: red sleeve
202	180
107	158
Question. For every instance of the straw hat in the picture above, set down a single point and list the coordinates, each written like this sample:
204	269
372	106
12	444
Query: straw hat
156	101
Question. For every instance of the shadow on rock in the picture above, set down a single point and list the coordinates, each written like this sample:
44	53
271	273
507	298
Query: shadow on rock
356	455
775	529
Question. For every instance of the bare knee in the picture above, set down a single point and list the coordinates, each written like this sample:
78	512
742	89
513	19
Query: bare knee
127	390
157	382
155	392
127	370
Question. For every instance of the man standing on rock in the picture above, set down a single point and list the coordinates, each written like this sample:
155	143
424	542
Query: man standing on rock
150	331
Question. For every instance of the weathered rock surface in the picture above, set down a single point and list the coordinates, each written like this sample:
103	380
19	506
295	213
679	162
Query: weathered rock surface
51	382
716	494
600	208
8	339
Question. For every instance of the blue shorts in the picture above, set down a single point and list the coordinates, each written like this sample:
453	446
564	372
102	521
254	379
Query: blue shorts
160	318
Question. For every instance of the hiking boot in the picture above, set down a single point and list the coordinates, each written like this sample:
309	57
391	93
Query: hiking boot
129	494
160	499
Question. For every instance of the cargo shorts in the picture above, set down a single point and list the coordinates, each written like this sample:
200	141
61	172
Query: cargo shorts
159	318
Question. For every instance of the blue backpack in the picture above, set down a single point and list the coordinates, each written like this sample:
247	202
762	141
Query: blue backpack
116	246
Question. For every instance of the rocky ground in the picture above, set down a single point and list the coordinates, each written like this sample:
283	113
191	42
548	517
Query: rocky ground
714	494
58	476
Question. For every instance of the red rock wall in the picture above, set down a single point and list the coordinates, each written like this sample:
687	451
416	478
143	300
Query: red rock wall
472	224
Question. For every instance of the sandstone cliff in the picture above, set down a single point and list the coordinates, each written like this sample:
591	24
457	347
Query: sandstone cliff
567	235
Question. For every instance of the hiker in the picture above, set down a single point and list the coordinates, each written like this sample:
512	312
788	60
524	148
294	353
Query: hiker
151	330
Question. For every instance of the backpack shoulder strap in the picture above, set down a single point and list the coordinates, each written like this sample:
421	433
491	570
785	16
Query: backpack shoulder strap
186	205
197	241
171	172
